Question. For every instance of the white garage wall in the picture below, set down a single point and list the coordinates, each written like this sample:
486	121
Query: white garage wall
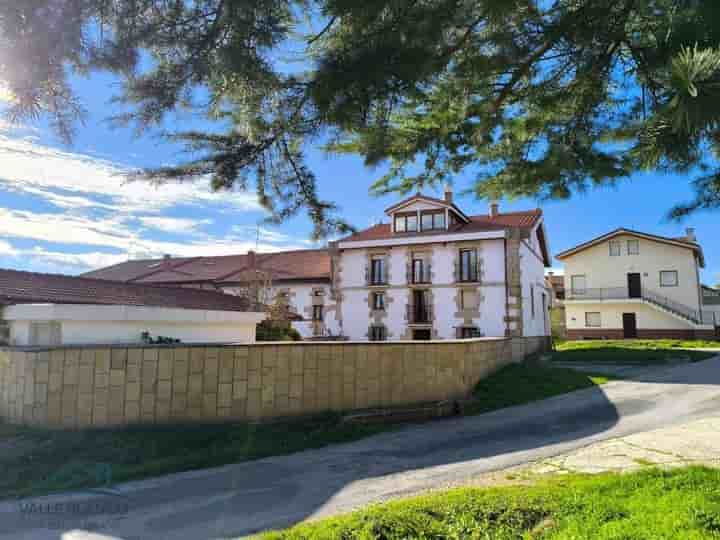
84	324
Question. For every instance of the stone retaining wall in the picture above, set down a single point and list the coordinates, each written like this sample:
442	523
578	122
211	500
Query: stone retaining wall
80	387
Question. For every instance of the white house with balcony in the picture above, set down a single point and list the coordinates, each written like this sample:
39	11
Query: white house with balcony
434	272
630	284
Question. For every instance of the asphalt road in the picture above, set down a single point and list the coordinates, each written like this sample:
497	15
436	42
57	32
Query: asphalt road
237	500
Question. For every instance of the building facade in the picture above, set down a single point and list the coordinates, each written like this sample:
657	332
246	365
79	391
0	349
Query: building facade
432	272
629	284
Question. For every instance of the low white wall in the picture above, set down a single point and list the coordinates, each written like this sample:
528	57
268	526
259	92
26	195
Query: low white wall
83	324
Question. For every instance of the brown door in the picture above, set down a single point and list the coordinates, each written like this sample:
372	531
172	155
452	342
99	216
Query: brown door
629	326
634	286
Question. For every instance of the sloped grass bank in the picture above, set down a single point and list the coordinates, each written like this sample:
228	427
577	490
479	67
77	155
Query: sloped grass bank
651	352
649	505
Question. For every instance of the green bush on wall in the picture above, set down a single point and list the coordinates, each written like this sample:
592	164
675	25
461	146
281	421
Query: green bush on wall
275	331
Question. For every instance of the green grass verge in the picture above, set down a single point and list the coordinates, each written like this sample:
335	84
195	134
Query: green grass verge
48	461
524	383
649	505
659	351
42	461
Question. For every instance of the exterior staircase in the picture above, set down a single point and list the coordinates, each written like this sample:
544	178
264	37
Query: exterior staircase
653	298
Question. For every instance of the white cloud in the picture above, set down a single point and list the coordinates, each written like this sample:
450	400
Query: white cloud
92	218
7	249
173	225
28	166
266	235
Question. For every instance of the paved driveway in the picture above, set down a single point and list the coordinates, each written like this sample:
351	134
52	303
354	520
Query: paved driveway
240	499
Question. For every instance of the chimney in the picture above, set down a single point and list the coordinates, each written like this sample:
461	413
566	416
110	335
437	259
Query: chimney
690	234
167	256
251	259
448	194
494	208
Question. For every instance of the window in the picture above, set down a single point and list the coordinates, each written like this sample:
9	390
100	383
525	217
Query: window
468	299
432	220
468	265
412	224
317	313
45	333
633	247
469	332
426	221
578	284
377	333
532	301
406	223
614	248
592	319
378	301
420	271
422	334
377	270
668	278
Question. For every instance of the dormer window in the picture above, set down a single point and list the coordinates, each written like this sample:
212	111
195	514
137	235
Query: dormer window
433	220
406	223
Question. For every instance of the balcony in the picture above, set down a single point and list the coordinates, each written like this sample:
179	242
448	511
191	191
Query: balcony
419	274
467	274
375	279
644	295
419	314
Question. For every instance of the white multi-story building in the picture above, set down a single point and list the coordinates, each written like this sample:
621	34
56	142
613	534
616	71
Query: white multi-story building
432	272
630	284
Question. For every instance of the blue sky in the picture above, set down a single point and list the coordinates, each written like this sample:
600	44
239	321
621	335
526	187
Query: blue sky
65	209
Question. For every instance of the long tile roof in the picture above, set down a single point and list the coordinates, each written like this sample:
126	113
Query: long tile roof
309	264
31	288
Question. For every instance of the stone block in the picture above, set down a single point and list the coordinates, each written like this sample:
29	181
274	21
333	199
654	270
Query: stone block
87	357
147	406
227	362
225	395
102	360
254	404
210	379
209	405
118	358
132	411
165	364
162	410
197	360
179	404
164	390
86	374
55	382
239	409
42	367
41	392
254	380
117	377
255	359
240	389
57	360
132	391
195	384
149	373
116	402
150	354
102	379
240	368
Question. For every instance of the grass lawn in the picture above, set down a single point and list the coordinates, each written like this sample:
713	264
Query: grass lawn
636	351
523	383
649	505
40	461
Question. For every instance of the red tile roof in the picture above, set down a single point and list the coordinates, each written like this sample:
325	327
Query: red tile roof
308	264
31	287
479	223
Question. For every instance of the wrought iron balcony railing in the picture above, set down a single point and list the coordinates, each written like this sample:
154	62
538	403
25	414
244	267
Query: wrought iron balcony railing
419	314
